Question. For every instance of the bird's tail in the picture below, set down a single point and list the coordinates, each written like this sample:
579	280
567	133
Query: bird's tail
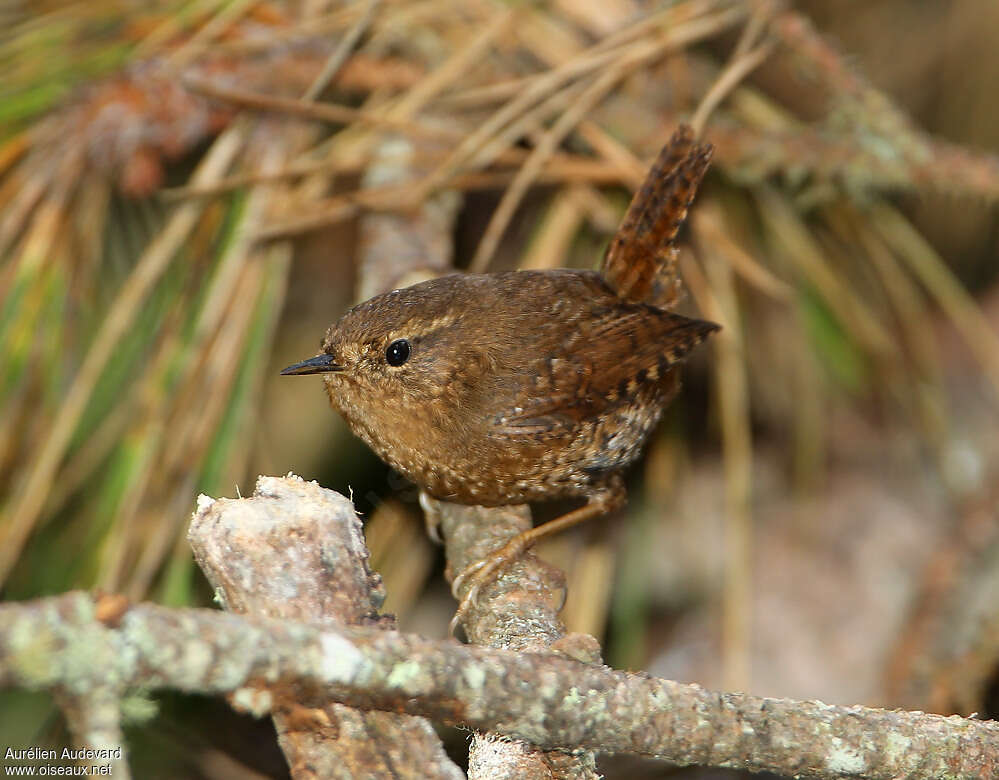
643	250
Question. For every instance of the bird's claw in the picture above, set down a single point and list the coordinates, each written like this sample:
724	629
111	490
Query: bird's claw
467	572
478	574
471	598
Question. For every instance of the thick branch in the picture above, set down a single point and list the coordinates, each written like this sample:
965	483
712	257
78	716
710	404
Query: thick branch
550	701
295	551
516	611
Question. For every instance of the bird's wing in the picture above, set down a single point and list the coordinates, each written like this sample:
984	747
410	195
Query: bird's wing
602	364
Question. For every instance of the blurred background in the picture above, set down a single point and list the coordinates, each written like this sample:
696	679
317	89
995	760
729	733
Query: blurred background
191	191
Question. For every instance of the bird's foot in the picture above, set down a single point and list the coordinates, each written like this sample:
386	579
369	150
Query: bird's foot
482	572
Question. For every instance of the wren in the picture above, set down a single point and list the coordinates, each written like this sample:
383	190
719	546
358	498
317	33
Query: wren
511	387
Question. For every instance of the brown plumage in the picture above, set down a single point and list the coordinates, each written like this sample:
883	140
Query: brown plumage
642	251
504	388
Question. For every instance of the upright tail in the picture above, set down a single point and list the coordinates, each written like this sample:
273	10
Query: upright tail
643	247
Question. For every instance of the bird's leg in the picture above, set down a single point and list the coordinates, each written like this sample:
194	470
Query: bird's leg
610	497
431	519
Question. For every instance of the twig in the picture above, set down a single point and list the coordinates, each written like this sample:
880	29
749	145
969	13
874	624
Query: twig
550	141
676	14
561	169
394	197
548	700
942	285
227	15
546	83
799	247
454	67
326	112
342	52
94	720
737	444
708	224
728	80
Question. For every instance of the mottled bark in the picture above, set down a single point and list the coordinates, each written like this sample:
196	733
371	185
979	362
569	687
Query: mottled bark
296	551
516	611
551	701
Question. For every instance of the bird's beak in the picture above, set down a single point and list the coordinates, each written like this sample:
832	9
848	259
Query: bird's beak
320	364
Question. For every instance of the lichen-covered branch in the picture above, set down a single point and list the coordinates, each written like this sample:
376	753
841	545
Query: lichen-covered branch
296	551
94	719
516	611
548	700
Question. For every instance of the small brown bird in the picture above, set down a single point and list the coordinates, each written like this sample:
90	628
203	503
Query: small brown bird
505	388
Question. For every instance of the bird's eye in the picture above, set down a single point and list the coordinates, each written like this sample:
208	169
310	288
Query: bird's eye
397	352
